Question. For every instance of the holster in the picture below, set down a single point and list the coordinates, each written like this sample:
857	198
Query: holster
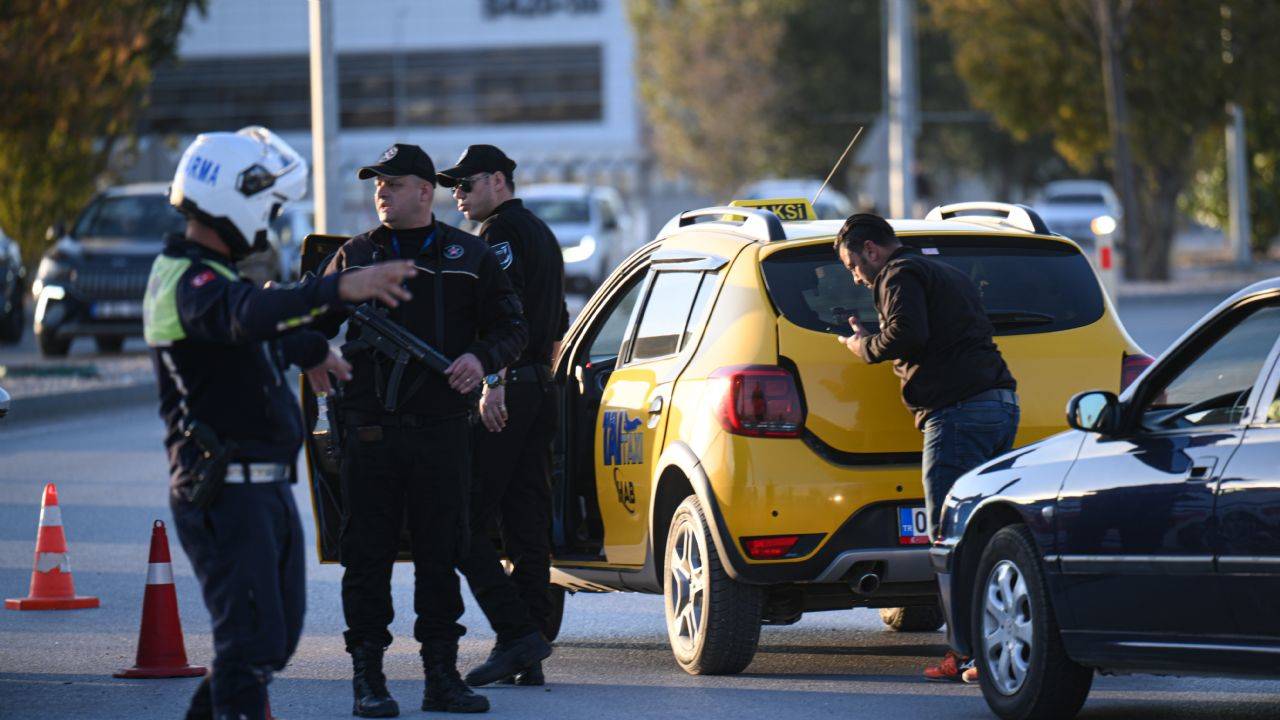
209	474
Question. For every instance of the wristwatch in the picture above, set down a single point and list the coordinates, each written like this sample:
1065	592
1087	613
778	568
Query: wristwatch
494	380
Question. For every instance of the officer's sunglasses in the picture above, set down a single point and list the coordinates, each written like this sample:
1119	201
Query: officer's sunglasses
465	184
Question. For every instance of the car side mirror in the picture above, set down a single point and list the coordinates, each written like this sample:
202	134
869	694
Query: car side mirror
1095	411
55	232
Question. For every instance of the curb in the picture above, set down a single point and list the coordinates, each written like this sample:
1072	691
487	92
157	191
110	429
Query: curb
26	411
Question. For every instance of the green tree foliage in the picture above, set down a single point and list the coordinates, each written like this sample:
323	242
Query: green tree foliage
1035	66
1249	44
741	89
75	76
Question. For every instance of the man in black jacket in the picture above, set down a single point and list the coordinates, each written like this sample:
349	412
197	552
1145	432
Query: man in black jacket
233	428
408	449
519	414
933	327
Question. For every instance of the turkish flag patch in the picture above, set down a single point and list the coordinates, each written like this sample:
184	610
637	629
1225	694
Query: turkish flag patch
203	278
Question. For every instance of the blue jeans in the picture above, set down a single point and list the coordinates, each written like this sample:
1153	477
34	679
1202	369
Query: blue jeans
959	438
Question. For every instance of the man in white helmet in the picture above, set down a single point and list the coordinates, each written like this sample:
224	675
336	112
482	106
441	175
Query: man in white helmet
220	346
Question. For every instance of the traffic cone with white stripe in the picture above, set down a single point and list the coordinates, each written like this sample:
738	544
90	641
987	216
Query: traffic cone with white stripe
51	585
161	652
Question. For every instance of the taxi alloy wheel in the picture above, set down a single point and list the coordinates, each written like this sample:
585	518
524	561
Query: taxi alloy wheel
1023	667
713	621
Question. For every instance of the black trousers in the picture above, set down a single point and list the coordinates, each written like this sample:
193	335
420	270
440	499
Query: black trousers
247	552
512	484
391	474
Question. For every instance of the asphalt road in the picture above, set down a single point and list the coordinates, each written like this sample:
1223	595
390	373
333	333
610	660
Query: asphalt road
611	660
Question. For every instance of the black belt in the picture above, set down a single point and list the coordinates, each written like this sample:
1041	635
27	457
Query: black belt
404	420
529	374
994	395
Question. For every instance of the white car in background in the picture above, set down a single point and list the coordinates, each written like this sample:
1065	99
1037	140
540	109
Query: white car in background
1069	208
591	224
832	205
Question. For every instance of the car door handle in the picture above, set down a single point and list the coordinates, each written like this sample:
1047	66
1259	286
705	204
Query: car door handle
655	407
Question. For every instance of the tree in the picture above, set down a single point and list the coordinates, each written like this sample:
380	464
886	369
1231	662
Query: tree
75	76
1036	64
1249	44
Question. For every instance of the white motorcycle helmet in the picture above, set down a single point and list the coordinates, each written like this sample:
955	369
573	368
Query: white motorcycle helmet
236	184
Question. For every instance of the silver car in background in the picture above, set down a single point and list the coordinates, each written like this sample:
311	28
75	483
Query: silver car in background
592	225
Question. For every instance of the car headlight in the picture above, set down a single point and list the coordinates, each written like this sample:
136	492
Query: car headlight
582	251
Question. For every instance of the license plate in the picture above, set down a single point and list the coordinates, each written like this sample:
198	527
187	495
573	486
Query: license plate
913	526
117	309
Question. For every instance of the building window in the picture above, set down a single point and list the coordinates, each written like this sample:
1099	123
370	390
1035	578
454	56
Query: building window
468	87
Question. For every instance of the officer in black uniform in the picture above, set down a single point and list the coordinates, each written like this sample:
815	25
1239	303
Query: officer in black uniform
408	451
520	417
233	428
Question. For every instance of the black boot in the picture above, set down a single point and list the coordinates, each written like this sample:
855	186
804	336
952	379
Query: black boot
369	685
529	677
201	703
508	659
445	690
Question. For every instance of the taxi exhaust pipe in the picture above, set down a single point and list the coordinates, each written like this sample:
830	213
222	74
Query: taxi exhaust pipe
867	584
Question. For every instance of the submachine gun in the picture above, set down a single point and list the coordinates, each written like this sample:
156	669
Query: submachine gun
385	337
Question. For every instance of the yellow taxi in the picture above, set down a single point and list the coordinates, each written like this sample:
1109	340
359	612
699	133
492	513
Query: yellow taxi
720	447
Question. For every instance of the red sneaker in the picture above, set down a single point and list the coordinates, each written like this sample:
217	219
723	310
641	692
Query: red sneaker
947	671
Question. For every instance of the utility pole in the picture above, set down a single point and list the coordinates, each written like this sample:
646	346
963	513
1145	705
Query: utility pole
900	69
324	114
1118	124
1238	186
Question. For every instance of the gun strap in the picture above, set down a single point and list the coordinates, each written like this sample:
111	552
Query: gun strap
439	288
393	382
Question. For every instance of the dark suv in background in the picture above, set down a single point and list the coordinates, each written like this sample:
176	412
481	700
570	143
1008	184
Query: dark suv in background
92	280
12	289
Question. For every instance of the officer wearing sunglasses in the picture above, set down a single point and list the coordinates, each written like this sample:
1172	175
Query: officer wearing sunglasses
519	415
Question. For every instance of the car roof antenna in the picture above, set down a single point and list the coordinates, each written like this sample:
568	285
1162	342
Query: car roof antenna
832	174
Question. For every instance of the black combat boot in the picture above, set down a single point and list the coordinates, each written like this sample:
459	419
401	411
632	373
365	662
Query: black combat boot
445	690
510	658
201	703
529	677
369	685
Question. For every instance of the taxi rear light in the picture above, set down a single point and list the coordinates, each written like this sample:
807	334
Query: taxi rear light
775	546
1131	367
759	401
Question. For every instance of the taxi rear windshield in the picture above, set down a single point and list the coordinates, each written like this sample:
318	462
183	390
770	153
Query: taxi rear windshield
1027	286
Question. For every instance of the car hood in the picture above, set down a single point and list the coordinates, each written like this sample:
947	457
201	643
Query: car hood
570	233
103	246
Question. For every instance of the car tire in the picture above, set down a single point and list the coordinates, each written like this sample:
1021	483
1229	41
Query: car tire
922	618
52	345
552	629
1023	668
713	621
109	344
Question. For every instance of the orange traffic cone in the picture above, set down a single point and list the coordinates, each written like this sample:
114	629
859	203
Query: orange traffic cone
51	585
161	652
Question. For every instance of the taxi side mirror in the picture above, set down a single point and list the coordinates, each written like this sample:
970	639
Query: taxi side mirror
1095	411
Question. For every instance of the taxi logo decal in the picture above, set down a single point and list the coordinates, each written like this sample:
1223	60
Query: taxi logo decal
784	208
453	252
626	492
505	256
623	439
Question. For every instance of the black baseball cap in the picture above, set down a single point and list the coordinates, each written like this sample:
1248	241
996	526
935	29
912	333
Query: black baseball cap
477	159
400	160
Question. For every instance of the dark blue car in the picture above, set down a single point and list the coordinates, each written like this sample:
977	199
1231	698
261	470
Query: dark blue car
1146	539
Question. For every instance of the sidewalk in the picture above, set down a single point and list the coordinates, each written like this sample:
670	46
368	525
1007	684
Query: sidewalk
1216	278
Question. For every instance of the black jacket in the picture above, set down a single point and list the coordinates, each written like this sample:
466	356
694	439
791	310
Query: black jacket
481	314
220	347
934	329
527	249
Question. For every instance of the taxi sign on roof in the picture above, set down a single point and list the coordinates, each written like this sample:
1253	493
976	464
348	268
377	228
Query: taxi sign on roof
784	208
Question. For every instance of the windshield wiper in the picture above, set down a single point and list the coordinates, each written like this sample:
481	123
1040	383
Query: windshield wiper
1018	318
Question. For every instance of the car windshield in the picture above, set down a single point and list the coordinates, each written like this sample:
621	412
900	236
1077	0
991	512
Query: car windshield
555	211
144	217
1076	199
1027	286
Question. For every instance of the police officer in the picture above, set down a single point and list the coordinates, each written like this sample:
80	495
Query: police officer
519	418
233	426
407	448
